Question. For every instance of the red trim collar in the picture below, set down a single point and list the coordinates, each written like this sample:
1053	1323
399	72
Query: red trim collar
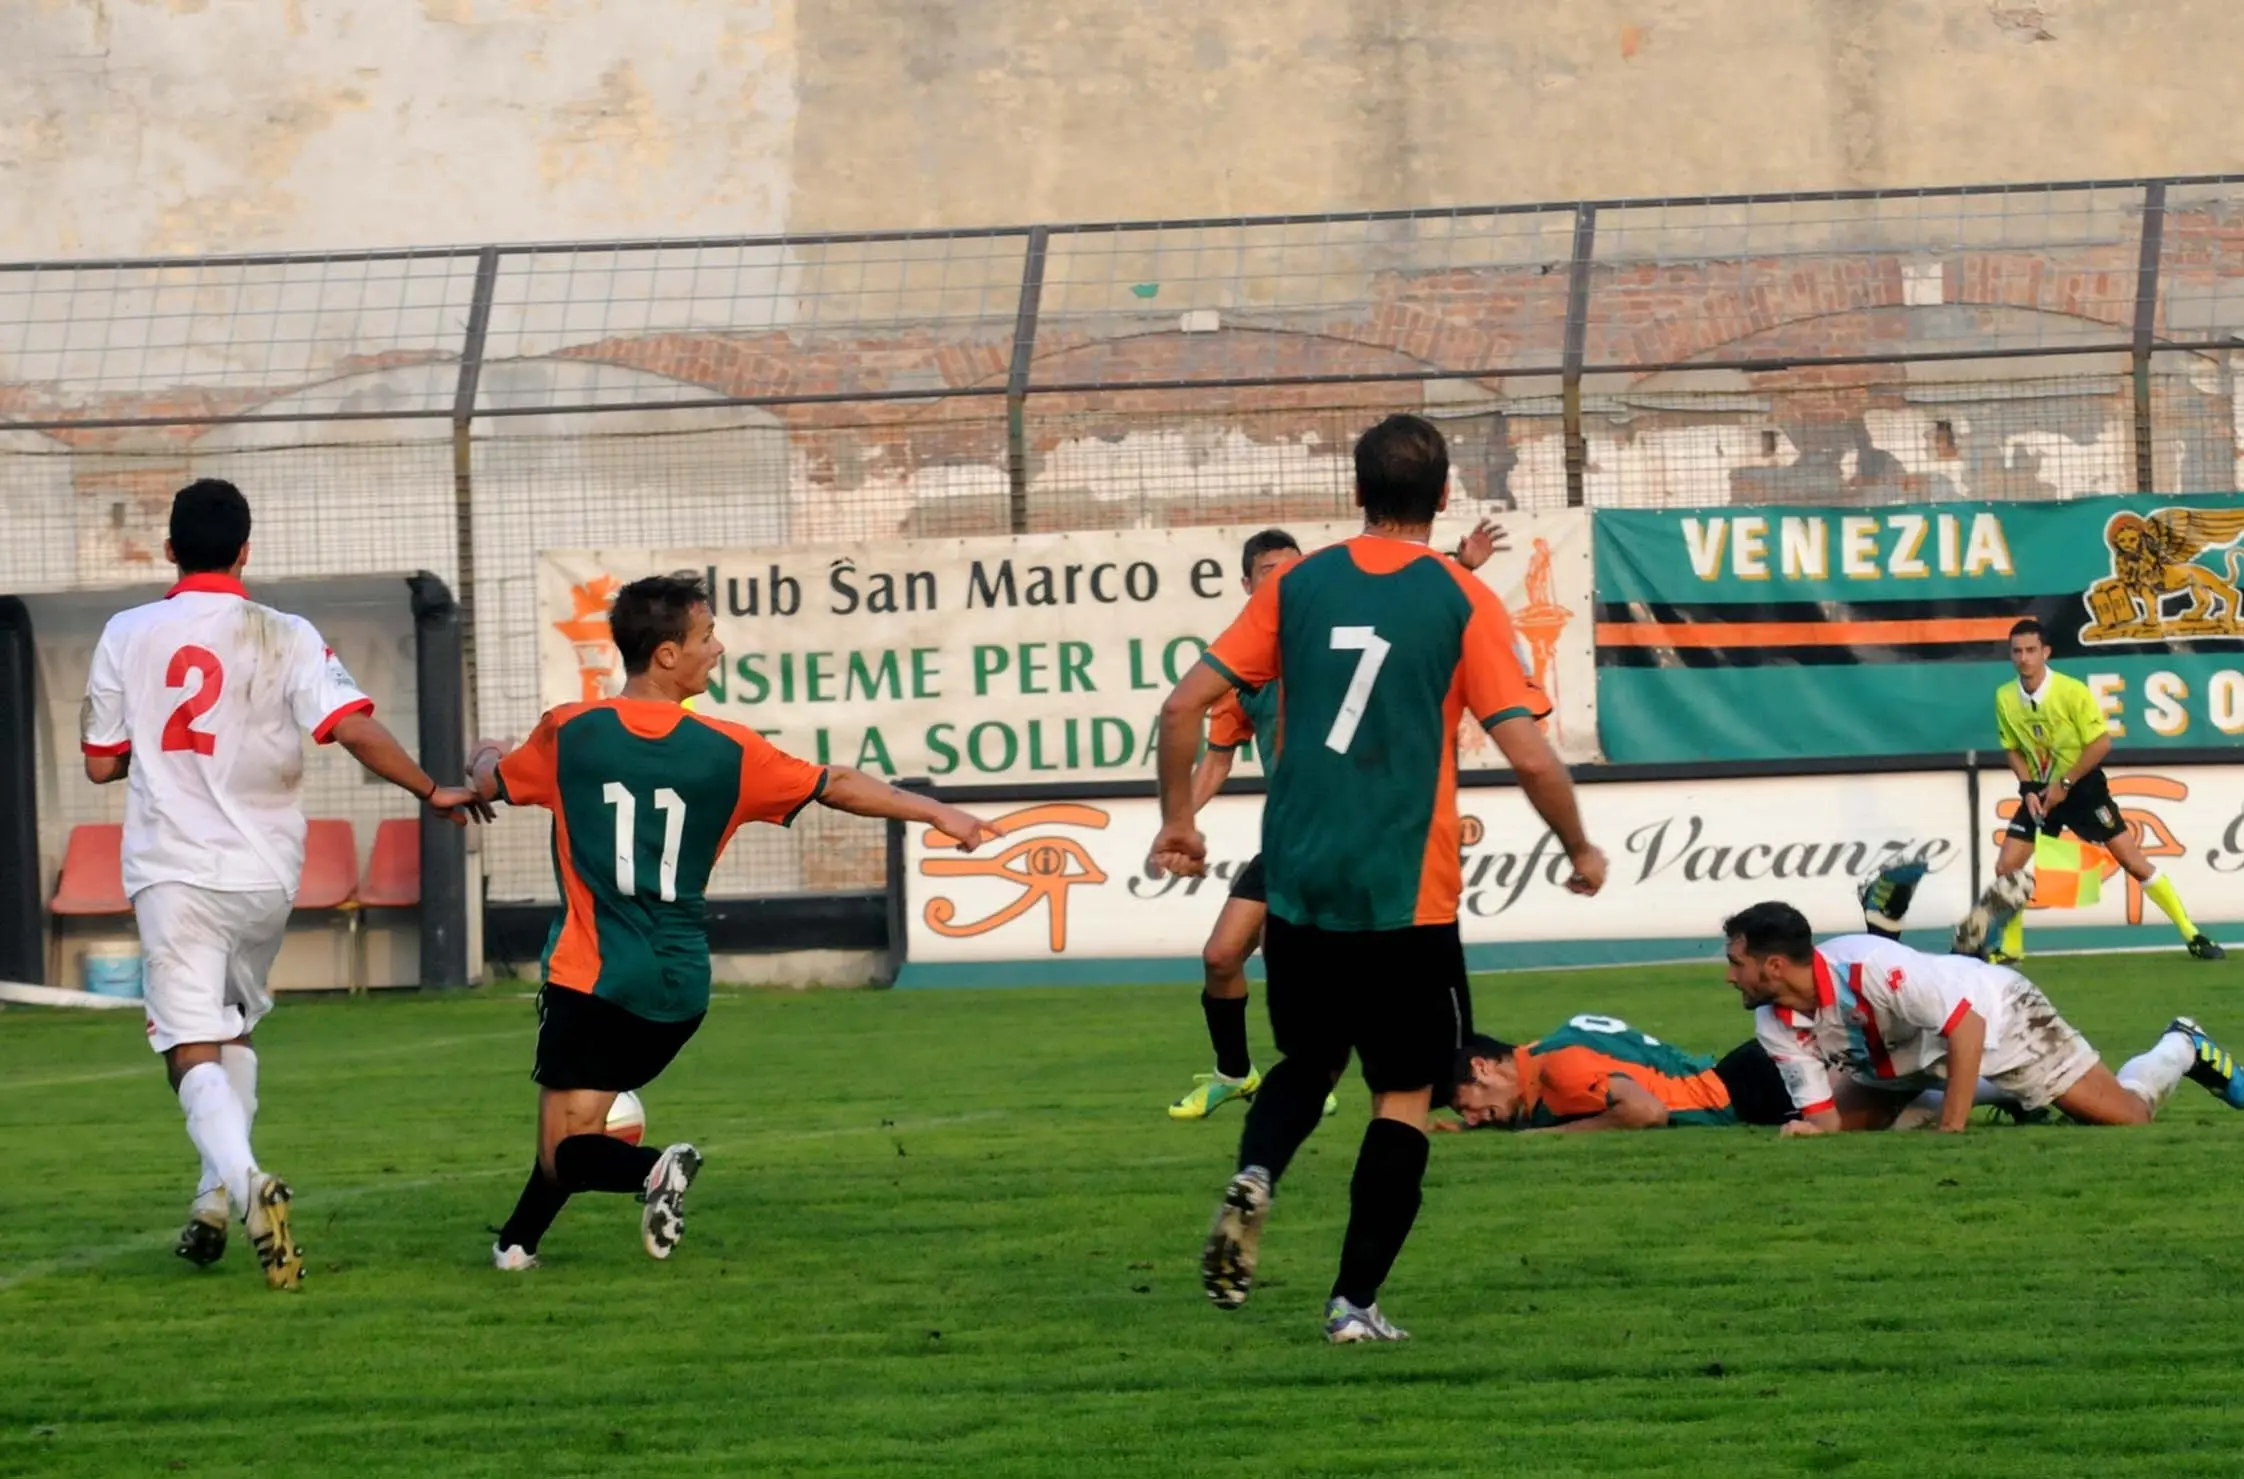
207	583
1825	992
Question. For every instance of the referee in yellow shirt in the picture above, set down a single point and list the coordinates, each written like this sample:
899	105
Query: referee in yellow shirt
2053	730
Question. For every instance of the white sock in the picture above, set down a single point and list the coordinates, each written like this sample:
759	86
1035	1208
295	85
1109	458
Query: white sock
240	1063
2153	1076
220	1130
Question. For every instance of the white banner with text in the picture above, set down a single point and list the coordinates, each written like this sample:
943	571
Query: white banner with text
1067	879
1032	659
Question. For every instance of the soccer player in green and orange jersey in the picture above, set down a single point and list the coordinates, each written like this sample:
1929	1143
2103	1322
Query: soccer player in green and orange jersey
645	794
1599	1073
1382	645
1239	717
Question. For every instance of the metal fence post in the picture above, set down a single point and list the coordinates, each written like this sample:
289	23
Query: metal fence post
2146	320
463	460
1577	339
1017	378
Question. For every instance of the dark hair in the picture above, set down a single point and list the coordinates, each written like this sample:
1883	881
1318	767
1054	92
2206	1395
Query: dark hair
1402	465
651	611
2028	627
209	526
1479	1045
1772	929
1262	544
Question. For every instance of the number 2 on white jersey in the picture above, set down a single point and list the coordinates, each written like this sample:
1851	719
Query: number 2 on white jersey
1374	649
180	732
673	809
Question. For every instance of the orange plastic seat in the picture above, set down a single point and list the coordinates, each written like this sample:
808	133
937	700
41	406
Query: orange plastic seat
93	872
330	866
393	873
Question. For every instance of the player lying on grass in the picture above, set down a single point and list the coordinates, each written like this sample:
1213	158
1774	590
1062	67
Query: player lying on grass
644	796
1599	1073
1896	1021
200	703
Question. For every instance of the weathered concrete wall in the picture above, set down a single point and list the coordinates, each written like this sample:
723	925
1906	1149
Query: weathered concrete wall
157	126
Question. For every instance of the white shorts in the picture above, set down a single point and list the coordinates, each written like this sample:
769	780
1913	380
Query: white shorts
2056	1055
205	956
2045	1053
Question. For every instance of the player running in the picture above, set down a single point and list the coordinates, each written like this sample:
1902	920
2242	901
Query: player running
200	701
1382	644
1899	1021
1240	716
645	794
2054	734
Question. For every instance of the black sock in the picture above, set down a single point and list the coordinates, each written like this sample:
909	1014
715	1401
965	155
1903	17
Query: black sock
1382	1204
603	1163
1289	1105
1227	1029
541	1201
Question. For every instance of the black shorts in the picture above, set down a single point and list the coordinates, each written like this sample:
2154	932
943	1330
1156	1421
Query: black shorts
1757	1092
587	1043
1397	999
2088	812
1247	882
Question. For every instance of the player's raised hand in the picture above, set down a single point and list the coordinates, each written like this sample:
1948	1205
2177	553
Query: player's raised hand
459	805
1487	538
1180	849
1589	872
965	829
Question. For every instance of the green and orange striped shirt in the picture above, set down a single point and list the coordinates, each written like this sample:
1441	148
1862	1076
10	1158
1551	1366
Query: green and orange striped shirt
644	796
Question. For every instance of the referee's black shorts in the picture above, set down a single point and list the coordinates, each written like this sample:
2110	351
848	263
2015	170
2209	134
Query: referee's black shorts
587	1043
2088	812
1397	999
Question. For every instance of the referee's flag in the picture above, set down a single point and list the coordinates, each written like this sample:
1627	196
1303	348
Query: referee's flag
2067	874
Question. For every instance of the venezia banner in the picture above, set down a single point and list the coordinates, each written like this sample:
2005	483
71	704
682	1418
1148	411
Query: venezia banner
1781	632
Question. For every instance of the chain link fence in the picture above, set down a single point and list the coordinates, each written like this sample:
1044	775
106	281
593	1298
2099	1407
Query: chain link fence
456	410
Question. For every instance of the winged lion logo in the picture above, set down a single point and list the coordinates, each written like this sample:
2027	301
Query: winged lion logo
2154	565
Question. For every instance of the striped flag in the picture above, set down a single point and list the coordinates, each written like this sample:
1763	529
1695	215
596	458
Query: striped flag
2068	874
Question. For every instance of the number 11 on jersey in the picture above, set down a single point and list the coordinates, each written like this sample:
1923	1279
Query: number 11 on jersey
673	809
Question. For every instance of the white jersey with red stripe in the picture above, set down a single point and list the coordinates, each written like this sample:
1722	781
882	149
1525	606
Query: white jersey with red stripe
210	694
1883	1014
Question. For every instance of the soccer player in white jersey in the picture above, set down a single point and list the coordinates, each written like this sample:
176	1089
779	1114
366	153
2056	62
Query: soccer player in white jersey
200	701
1895	1021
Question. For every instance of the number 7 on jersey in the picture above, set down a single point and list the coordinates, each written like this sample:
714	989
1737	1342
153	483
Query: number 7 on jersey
1374	649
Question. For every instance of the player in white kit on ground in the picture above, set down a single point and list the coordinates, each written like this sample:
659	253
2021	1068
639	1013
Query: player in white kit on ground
1895	1021
200	701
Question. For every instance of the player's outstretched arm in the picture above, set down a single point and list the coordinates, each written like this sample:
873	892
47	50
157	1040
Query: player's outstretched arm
1550	790
1628	1106
860	795
373	746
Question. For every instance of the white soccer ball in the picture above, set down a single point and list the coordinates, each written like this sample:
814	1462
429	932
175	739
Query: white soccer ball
627	1118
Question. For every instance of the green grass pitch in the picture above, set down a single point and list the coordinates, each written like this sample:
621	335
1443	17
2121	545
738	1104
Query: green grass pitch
953	1232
